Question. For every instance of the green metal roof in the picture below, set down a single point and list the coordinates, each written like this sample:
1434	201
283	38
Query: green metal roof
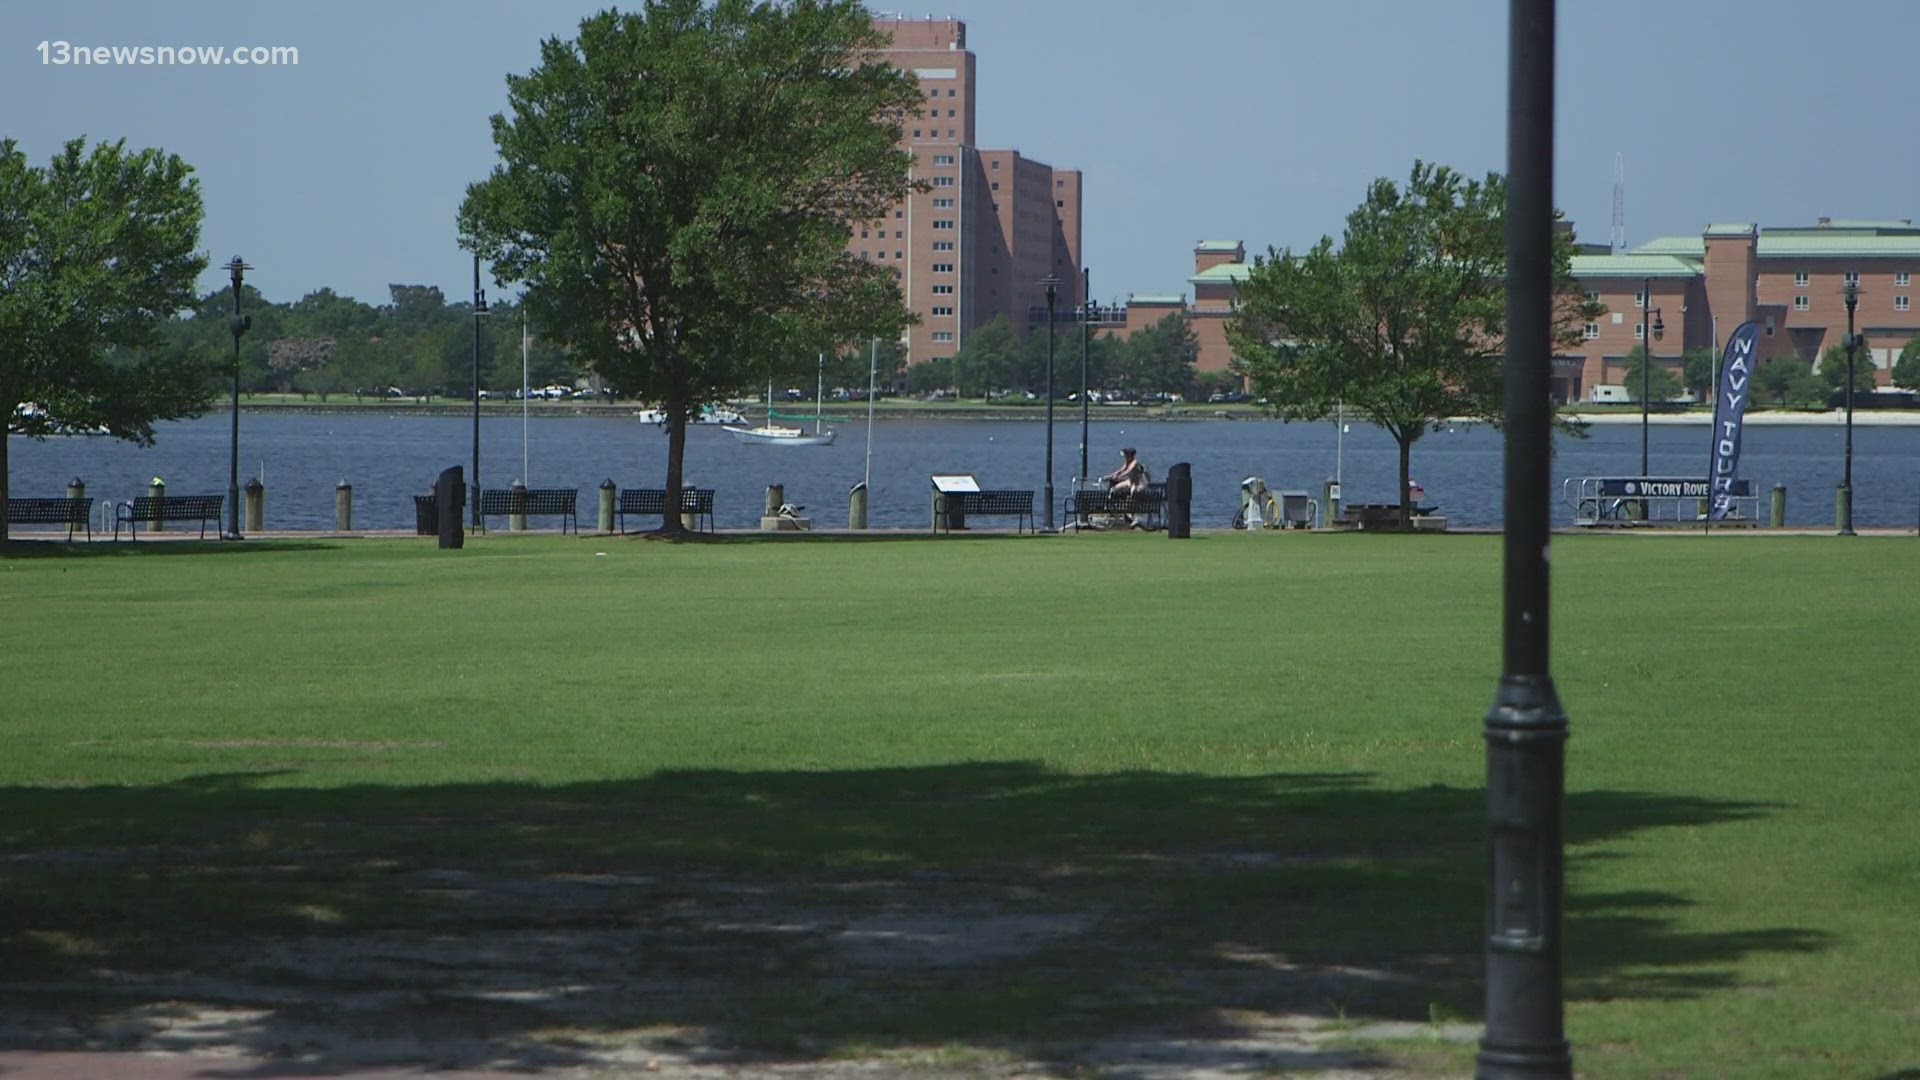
1731	228
1889	224
1215	246
1224	274
1853	246
1633	266
1686	247
1158	299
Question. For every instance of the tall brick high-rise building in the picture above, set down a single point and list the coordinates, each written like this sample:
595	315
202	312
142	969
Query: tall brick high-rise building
989	226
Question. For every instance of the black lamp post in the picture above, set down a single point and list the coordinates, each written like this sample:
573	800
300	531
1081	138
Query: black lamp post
1647	337
1853	344
1086	332
479	312
239	324
1053	290
1526	730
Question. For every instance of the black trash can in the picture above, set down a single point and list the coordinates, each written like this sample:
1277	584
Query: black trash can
426	520
1179	500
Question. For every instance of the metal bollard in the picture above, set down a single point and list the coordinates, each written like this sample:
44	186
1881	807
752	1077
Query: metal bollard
1779	516
1330	499
517	520
343	507
158	489
76	488
776	498
857	507
607	490
1179	501
256	504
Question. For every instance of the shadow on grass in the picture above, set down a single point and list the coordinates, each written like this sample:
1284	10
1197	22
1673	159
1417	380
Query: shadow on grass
976	913
17	548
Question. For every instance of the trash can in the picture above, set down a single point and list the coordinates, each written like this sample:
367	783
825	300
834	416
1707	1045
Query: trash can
1179	500
426	520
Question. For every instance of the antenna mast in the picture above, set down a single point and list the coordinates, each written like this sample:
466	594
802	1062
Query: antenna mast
1619	204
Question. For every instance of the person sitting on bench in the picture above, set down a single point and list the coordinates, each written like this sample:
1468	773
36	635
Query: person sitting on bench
1130	479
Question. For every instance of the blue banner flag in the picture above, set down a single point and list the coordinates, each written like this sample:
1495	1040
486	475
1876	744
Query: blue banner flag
1737	368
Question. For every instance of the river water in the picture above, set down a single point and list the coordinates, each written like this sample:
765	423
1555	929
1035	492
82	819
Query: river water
388	459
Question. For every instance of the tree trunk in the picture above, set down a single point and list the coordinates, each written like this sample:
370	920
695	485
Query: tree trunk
676	408
5	439
1406	480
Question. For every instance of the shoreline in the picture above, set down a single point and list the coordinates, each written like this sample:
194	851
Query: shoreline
1189	414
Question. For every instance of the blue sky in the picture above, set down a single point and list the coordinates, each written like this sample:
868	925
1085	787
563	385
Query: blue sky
1260	120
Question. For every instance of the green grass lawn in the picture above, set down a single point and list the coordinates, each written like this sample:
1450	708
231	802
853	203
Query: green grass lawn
1130	787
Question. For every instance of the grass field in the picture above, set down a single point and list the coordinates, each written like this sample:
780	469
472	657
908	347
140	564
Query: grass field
963	805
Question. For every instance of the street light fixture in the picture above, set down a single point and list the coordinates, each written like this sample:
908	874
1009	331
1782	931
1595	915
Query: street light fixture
1648	335
239	325
479	312
1853	343
1052	284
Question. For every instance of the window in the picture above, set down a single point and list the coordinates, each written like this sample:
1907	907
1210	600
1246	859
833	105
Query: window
899	254
943	290
879	254
949	133
943	223
863	234
1801	278
898	214
943	311
1639	331
943	335
1059	203
899	235
1640	298
943	181
949	91
1590	331
1593	298
996	185
943	159
1900	303
1800	303
916	133
949	112
1902	278
1769	326
867	255
1853	277
1059	183
942	204
943	268
943	245
996	165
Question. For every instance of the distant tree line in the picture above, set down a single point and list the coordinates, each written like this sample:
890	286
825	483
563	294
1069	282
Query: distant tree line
1155	359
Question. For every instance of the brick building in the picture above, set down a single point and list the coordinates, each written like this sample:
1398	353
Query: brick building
991	223
1790	280
1218	268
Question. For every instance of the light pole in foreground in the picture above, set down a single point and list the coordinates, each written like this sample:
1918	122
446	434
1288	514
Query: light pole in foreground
239	324
479	313
1053	291
1853	344
1526	731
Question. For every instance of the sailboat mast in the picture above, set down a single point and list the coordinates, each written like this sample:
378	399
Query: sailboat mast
524	478
820	394
873	366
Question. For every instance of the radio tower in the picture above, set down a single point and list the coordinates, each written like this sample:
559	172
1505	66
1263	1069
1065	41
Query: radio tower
1619	204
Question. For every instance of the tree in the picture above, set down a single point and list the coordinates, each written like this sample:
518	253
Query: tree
677	187
1697	369
988	360
1405	321
1662	383
97	250
1161	356
1906	370
849	367
1792	383
1833	369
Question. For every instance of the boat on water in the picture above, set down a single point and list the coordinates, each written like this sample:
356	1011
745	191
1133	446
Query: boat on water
772	434
709	415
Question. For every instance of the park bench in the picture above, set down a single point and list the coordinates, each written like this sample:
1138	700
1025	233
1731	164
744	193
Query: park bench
1147	507
156	509
1380	517
959	505
645	501
73	513
531	502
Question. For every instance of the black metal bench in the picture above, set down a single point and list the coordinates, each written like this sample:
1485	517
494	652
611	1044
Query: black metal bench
156	509
73	513
959	505
1147	507
532	502
653	501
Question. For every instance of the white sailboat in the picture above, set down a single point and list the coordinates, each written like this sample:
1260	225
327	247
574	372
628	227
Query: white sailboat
772	434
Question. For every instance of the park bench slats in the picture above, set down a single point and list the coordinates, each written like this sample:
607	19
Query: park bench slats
155	509
1003	502
1149	505
74	513
532	502
653	501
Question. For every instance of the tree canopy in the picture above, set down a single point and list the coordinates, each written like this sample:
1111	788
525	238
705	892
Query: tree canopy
1791	382
1404	320
97	249
1833	369
1662	383
1906	370
677	185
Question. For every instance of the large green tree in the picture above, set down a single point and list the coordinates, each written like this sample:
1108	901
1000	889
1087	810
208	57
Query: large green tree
676	188
97	249
988	360
1833	369
1906	370
1404	320
1159	357
1698	370
1662	383
1791	382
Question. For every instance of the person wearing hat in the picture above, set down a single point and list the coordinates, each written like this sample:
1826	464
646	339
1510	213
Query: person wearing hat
1130	479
